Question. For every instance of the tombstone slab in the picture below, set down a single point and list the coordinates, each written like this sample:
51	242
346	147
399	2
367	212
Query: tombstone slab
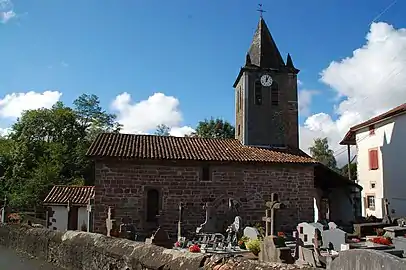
251	233
333	238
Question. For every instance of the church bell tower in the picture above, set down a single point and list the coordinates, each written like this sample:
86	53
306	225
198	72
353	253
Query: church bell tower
266	95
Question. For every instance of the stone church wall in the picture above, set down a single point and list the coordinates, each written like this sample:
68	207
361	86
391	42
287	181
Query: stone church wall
123	185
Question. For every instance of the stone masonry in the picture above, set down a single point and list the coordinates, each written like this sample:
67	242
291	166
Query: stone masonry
122	185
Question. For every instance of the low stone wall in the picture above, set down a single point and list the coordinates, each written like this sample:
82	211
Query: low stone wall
367	259
81	250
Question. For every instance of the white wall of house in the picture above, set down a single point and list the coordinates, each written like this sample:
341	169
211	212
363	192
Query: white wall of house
61	218
389	180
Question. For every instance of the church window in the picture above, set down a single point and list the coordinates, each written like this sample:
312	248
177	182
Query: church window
206	173
258	93
152	204
275	94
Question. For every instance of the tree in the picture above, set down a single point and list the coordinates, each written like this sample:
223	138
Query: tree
353	170
215	128
47	147
93	118
162	130
321	152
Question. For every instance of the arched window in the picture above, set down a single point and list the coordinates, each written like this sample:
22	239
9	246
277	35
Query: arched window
152	204
258	93
275	94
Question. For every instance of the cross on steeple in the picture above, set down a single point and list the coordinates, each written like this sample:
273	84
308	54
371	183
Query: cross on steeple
260	10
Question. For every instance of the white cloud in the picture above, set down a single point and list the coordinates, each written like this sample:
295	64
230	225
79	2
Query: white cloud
6	11
369	82
305	100
181	131
12	105
146	115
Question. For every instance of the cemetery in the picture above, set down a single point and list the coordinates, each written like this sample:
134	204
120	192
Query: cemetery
315	244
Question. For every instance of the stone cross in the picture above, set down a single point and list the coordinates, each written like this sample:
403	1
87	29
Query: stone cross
387	219
270	220
89	212
109	222
180	221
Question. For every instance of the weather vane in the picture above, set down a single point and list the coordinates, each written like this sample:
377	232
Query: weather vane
260	10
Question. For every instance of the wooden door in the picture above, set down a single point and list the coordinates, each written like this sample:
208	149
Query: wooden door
73	218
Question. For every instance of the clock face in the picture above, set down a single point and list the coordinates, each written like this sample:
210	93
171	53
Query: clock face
266	80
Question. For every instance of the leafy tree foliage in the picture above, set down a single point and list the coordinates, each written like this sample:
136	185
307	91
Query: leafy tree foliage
353	170
162	130
215	128
47	147
321	152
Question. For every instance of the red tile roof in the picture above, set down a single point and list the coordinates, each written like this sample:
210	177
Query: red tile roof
349	138
188	148
78	195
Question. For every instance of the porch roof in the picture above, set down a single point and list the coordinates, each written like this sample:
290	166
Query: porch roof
326	178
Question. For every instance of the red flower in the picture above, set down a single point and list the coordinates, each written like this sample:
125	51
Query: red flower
281	234
382	241
177	244
194	248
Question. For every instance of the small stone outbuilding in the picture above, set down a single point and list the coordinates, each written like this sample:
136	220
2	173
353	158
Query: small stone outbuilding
67	207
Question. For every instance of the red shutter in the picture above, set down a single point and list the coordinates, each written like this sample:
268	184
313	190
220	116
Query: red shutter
373	159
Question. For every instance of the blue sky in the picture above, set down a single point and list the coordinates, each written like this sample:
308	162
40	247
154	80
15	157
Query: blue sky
191	50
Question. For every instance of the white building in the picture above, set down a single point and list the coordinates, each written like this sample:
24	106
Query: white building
67	207
381	162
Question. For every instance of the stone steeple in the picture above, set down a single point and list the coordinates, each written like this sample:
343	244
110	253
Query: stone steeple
263	51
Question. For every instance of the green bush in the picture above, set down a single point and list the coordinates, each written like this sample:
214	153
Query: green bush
254	246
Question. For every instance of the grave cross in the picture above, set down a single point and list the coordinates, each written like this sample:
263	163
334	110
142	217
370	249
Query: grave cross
181	206
387	218
269	220
89	213
109	222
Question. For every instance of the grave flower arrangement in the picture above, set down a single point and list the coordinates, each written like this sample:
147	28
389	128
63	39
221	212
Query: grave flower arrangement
242	242
194	248
254	246
181	244
382	240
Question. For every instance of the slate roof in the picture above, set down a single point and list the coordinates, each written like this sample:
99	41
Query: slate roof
263	50
76	195
132	146
349	138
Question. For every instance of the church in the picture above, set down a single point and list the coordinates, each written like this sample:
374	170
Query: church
146	177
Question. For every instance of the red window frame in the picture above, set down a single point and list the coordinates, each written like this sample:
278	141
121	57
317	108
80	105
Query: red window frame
373	159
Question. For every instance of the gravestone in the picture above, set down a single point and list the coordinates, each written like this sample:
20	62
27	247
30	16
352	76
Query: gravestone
160	238
209	226
251	233
270	252
333	239
109	222
307	231
332	225
181	206
269	218
233	231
